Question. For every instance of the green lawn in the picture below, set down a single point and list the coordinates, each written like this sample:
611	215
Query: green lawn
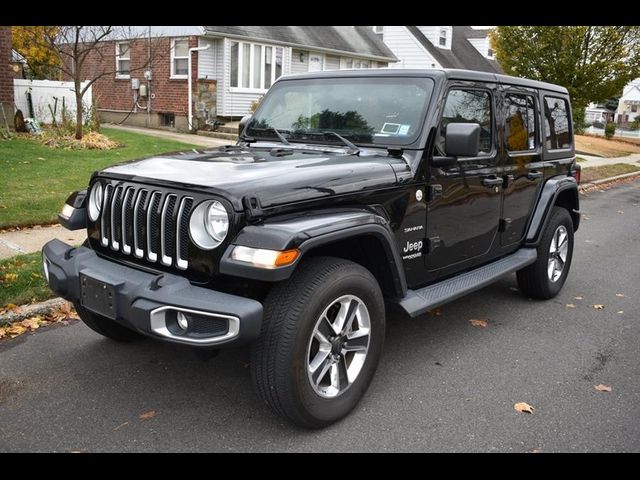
22	280
35	180
605	171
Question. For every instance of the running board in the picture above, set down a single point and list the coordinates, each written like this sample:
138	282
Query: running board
417	302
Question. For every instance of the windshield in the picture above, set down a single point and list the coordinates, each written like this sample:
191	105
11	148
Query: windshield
374	110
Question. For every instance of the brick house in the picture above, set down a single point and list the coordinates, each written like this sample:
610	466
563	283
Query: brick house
234	67
6	75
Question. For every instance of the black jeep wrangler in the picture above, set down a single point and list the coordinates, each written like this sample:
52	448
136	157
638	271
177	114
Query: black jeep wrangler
348	192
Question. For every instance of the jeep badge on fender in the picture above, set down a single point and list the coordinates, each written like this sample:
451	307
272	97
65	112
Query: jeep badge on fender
346	192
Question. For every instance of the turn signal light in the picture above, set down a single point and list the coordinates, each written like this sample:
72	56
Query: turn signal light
263	258
287	257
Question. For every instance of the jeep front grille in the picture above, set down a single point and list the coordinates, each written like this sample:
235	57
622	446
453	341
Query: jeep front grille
146	223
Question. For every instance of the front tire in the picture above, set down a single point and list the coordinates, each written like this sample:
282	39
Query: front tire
545	278
321	339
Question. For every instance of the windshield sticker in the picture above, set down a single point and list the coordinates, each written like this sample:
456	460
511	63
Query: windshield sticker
404	129
391	128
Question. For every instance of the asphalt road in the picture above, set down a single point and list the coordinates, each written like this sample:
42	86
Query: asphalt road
442	384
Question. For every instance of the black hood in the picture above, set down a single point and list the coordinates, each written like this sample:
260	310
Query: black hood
274	176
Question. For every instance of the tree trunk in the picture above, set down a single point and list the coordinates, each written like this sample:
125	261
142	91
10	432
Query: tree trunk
78	109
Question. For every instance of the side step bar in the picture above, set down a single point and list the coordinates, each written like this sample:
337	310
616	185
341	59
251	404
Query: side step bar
417	302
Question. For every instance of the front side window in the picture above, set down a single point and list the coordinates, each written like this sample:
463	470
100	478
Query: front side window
520	122
123	60
384	111
254	66
180	58
556	123
468	106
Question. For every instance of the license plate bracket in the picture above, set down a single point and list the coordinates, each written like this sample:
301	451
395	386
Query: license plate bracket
98	296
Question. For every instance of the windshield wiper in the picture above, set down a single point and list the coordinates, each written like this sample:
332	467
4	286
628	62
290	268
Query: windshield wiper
280	136
283	140
354	150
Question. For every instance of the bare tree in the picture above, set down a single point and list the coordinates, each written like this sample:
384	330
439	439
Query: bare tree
75	46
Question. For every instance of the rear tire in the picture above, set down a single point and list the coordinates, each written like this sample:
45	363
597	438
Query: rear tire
321	339
106	327
545	278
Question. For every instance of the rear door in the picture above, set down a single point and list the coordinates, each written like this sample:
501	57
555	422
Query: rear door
464	205
523	171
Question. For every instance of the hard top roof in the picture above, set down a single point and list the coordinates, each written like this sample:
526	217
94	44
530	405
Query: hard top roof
449	73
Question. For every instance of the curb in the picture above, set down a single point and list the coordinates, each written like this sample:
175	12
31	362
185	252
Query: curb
26	311
586	186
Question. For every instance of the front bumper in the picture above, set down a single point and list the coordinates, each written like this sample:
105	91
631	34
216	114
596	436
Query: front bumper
144	302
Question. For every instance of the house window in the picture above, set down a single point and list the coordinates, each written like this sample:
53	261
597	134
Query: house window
443	37
490	52
255	66
634	108
179	58
123	60
346	62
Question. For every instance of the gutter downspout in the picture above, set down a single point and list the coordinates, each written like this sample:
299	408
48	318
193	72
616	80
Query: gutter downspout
191	50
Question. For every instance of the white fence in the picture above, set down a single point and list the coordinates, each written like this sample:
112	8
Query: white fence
43	95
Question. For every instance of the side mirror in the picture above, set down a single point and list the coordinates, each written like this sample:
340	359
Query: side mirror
243	123
462	140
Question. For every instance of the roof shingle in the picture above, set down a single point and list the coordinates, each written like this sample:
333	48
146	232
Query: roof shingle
359	40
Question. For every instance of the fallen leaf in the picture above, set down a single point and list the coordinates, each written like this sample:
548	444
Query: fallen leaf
437	312
478	323
16	329
32	323
578	298
10	306
523	407
534	450
148	415
603	388
3	332
619	294
598	306
10	277
120	426
570	305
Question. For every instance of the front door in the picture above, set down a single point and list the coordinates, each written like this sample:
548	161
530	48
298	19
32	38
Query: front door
464	202
523	170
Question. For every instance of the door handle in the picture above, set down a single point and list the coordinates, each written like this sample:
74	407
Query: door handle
492	181
534	175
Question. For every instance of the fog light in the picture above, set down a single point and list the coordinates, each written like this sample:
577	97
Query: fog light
182	320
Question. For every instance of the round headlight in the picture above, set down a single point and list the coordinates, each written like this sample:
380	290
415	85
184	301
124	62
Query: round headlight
217	221
209	224
95	202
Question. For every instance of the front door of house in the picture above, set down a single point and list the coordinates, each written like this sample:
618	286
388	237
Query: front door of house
316	62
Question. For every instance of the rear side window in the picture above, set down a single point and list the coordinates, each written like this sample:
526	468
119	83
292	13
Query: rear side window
556	123
468	106
520	124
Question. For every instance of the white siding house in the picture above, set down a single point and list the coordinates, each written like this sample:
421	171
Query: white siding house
439	47
245	61
629	104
